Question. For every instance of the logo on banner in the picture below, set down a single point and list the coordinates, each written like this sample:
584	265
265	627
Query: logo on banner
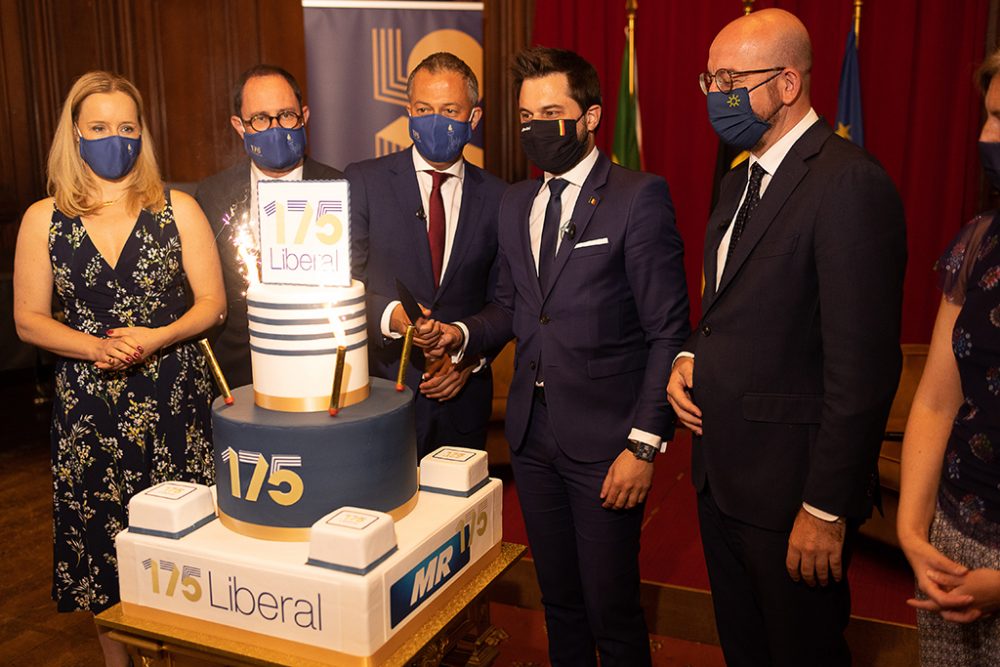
304	232
429	575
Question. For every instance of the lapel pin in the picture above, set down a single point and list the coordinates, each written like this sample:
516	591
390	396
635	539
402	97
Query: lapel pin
593	200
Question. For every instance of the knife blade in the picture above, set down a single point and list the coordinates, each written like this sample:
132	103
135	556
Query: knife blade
410	305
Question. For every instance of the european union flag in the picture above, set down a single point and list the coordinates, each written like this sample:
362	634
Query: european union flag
849	123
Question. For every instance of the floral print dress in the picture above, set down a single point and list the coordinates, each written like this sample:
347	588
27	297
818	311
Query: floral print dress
115	433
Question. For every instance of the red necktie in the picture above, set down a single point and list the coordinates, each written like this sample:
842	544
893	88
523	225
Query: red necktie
435	225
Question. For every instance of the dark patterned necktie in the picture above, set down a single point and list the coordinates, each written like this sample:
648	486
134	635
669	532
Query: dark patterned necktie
550	231
435	224
746	210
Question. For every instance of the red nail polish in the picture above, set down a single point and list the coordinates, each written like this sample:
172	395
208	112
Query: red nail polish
110	332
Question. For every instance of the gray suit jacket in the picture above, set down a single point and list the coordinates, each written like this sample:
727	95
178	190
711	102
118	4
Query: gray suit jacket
227	193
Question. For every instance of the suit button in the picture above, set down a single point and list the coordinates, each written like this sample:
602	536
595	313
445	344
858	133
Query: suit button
706	331
544	319
531	365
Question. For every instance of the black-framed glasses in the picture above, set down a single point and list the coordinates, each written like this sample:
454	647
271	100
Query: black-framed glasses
725	78
286	119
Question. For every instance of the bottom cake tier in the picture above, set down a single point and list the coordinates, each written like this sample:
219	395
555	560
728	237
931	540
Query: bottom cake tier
270	588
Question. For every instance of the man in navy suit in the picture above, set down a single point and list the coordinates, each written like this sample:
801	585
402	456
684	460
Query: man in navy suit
267	105
788	378
592	285
427	217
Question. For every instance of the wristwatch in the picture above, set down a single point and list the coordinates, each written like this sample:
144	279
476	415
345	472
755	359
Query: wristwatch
641	450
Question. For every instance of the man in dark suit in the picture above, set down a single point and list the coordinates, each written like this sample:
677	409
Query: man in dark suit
787	380
427	217
270	119
592	285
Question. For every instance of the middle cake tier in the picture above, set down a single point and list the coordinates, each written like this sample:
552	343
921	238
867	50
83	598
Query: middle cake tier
278	472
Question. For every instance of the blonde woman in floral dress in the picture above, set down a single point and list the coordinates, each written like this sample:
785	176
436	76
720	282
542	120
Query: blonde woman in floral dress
132	404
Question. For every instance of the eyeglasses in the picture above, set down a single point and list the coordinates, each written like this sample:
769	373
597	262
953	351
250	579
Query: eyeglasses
725	78
287	119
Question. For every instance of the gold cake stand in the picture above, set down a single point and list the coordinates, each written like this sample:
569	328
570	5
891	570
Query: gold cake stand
452	630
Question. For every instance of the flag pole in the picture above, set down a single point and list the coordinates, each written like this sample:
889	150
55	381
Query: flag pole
630	8
747	6
857	21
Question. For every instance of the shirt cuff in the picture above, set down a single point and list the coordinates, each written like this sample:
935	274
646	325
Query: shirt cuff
820	514
682	355
457	357
386	320
649	439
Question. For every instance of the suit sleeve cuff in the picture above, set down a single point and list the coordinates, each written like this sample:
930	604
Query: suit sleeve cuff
820	514
457	357
386	319
649	439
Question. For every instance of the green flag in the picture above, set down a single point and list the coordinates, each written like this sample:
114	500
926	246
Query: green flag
627	149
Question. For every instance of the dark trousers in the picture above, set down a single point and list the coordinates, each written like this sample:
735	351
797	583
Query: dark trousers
765	618
436	427
586	557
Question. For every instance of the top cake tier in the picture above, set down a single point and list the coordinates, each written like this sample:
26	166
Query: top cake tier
294	335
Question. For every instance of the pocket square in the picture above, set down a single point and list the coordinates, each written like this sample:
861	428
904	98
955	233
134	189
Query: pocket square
584	244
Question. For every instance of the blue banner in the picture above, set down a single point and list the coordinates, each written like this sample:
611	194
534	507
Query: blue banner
430	574
358	56
849	122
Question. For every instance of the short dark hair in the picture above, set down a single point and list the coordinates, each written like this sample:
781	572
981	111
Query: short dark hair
539	61
989	69
442	61
263	70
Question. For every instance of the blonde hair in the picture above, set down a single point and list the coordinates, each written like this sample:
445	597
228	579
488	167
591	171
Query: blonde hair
70	182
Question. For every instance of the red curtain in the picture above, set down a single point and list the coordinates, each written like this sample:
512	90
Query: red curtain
921	110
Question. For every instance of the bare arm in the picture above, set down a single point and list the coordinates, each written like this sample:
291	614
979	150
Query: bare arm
935	404
33	281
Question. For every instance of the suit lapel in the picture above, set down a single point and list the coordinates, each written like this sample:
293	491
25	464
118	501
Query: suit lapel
413	226
467	229
791	171
718	223
583	212
522	210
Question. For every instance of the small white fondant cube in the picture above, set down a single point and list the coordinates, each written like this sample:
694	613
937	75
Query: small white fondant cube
170	508
455	469
351	538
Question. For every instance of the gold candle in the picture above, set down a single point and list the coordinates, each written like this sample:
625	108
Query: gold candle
338	380
213	365
404	361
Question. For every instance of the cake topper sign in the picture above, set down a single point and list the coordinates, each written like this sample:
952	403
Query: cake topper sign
305	232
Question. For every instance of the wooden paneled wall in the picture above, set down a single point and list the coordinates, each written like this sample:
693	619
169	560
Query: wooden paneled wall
184	56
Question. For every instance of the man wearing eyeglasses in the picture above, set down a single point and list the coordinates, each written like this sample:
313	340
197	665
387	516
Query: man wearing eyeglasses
787	380
270	119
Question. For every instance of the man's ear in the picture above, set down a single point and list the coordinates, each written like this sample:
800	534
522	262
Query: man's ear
475	116
305	114
237	124
593	117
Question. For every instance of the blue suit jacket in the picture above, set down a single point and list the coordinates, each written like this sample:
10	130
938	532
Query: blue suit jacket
611	322
389	241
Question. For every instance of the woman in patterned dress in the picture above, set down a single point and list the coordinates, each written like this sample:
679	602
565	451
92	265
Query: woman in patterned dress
132	404
949	508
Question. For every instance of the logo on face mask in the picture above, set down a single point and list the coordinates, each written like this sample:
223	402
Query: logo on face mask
733	118
110	158
439	139
276	149
553	145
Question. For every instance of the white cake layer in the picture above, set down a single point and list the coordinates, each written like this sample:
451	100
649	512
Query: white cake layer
266	587
294	334
453	469
171	509
351	538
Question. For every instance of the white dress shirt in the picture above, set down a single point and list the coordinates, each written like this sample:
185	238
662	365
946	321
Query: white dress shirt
574	178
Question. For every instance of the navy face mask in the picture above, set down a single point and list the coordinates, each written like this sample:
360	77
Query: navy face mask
111	157
553	145
733	119
438	138
989	156
276	149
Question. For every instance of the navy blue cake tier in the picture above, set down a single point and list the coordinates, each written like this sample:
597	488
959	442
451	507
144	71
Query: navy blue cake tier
277	473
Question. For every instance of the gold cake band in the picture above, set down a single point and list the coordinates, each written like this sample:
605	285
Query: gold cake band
278	534
309	403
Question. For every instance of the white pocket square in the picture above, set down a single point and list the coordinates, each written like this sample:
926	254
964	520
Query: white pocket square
586	244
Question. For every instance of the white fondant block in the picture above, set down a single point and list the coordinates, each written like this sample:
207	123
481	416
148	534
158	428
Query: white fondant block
351	539
455	470
266	586
171	509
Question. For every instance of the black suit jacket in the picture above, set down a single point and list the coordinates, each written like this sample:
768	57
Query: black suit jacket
797	352
609	324
219	195
389	241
